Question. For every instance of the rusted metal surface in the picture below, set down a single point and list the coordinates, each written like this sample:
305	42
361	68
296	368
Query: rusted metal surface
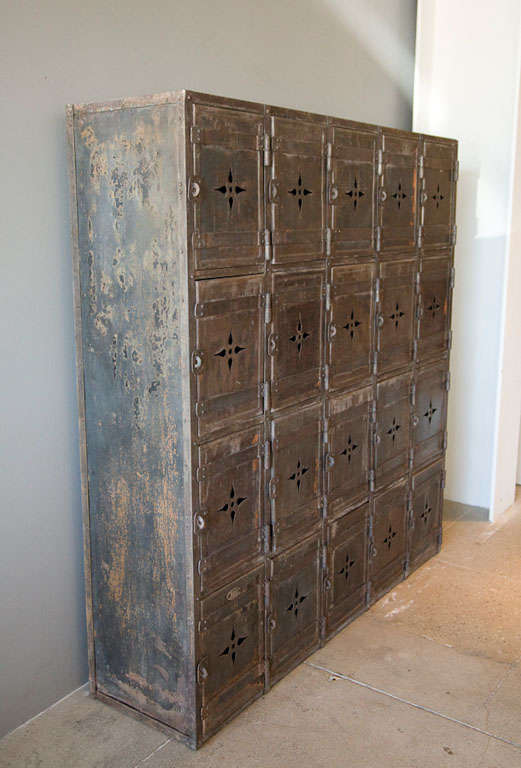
135	393
263	301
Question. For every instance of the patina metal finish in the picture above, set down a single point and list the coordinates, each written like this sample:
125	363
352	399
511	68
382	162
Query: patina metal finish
263	301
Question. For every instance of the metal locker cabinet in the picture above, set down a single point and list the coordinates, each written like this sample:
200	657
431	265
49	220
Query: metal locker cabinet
262	307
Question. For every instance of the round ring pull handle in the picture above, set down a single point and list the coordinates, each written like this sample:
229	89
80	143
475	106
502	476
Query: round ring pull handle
272	624
415	420
425	197
332	331
195	189
330	461
200	522
327	584
198	361
333	193
374	551
272	344
380	321
383	195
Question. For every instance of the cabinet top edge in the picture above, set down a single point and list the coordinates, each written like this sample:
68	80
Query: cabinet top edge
185	96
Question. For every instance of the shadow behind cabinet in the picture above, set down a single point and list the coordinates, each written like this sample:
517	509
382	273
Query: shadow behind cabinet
263	329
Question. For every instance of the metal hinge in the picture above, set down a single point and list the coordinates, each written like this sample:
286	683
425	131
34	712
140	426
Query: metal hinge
414	349
267	308
272	488
195	134
325	432
449	340
420	237
328	297
413	393
375	362
455	172
443	478
378	238
371	479
373	412
267	149
379	162
324	558
406	565
377	290
267	454
420	166
266	395
327	237
452	277
329	153
266	238
267	539
200	408
325	376
444	442
454	234
447	381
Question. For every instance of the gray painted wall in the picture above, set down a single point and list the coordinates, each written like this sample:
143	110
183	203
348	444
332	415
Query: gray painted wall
343	57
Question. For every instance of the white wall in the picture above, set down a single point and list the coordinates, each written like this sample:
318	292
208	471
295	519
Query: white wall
341	57
466	84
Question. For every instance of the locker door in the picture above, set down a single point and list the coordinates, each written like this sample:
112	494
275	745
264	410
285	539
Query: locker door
396	315
351	327
346	577
228	360
295	188
436	278
294	606
398	192
230	671
295	340
226	189
228	521
295	485
351	190
388	544
430	414
348	461
391	450
426	514
438	192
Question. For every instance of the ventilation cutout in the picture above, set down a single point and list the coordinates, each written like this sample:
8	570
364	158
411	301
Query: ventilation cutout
434	307
233	504
300	192
295	604
355	193
229	351
345	571
230	190
300	336
438	197
393	430
396	315
298	475
352	324
429	413
426	512
234	643
388	541
349	449
399	195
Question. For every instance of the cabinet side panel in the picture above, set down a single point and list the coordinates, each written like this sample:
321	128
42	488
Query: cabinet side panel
132	273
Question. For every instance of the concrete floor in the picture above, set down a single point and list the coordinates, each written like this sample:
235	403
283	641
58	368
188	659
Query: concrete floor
429	677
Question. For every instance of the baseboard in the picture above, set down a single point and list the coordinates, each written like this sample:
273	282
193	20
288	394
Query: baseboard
454	510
